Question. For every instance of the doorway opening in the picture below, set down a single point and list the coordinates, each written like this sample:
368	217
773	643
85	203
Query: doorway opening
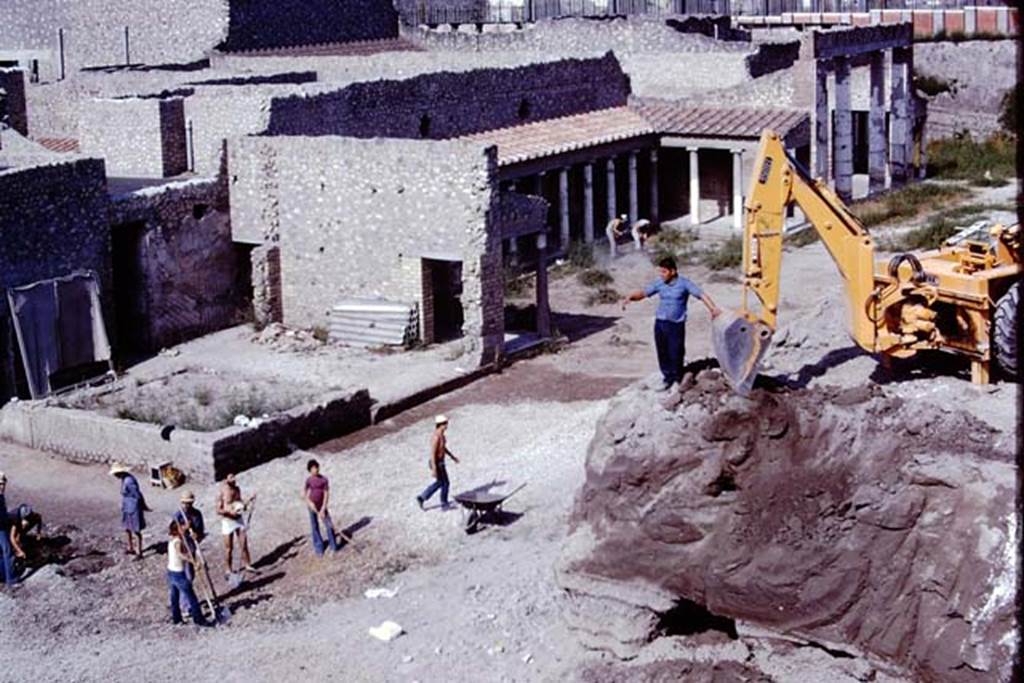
442	300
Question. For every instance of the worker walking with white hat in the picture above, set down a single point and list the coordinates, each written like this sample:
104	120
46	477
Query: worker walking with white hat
133	505
438	451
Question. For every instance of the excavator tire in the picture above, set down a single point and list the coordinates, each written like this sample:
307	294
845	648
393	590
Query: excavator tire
1005	326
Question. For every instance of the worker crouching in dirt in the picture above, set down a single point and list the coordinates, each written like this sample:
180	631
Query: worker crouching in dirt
674	292
178	582
317	493
7	553
24	521
133	505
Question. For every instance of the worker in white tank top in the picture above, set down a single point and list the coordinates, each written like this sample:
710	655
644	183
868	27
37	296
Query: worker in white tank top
177	581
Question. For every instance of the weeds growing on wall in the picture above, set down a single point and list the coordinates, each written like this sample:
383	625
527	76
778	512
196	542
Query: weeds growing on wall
940	227
906	202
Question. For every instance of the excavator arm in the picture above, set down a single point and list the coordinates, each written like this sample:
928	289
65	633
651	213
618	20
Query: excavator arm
742	338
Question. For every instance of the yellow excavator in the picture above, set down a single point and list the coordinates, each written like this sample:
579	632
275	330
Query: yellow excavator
961	298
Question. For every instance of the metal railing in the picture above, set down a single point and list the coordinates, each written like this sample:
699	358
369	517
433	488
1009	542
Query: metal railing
523	11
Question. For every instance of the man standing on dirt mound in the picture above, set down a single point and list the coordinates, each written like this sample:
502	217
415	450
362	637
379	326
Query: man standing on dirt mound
674	292
438	451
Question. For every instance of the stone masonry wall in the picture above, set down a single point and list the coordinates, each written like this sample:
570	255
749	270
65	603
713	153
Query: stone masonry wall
159	31
138	137
53	221
12	100
193	275
351	215
443	105
259	24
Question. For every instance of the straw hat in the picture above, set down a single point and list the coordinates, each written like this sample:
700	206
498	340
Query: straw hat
440	420
119	468
188	497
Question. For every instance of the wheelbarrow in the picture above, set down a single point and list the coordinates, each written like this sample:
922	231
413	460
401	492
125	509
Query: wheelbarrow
481	507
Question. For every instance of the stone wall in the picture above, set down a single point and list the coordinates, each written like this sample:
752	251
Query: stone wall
159	31
355	218
53	221
12	100
193	278
772	57
82	436
138	137
443	105
260	24
218	113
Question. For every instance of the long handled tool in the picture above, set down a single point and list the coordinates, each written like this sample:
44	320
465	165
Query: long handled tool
219	613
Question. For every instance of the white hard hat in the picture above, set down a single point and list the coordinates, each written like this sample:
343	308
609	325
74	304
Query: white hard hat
440	420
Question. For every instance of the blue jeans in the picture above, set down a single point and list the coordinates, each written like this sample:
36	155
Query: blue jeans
670	341
318	541
7	557
440	482
180	586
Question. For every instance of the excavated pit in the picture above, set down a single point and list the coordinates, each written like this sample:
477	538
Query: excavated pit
847	518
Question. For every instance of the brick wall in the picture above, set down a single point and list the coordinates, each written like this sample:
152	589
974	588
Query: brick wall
258	24
12	100
443	105
266	284
138	137
354	217
192	274
53	221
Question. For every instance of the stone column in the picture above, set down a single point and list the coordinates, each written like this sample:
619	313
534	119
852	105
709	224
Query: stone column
610	170
694	186
634	202
513	246
588	203
822	139
737	189
876	125
899	114
843	152
543	307
563	209
655	208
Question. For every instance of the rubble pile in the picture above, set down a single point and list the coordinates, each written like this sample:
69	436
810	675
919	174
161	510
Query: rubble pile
862	522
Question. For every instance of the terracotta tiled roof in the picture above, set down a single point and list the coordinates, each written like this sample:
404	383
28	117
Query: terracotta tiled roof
566	134
64	145
357	48
676	118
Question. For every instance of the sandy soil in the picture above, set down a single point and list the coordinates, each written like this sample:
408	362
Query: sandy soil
481	607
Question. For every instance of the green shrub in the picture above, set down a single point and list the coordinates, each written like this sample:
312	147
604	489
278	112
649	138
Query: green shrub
581	255
605	295
728	254
1008	109
939	228
963	158
933	85
906	202
320	333
595	277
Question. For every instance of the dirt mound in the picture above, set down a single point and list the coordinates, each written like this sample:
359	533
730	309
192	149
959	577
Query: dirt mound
862	522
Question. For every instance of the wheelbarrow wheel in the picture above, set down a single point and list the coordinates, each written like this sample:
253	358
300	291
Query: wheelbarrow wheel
472	521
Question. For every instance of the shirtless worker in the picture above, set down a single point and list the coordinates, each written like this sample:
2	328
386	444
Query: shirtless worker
438	451
231	507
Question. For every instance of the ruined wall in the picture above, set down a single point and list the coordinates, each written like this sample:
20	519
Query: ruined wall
193	277
138	137
446	104
218	113
354	218
53	221
257	24
159	31
12	100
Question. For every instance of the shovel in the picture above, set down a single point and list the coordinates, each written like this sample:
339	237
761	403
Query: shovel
740	341
219	613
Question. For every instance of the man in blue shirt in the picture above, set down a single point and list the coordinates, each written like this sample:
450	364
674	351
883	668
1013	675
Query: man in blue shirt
674	292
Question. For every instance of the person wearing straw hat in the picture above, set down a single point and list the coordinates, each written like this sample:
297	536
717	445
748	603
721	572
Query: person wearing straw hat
438	451
6	549
193	529
133	505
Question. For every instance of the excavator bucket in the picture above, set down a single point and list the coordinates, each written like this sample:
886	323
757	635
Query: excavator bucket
739	343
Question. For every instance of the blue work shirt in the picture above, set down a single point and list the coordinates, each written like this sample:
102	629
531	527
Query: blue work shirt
673	297
5	519
131	496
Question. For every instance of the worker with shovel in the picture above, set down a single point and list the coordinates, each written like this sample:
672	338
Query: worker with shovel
193	528
438	451
316	493
178	582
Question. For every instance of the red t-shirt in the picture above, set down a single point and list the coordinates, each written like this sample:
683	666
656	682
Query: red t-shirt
317	486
